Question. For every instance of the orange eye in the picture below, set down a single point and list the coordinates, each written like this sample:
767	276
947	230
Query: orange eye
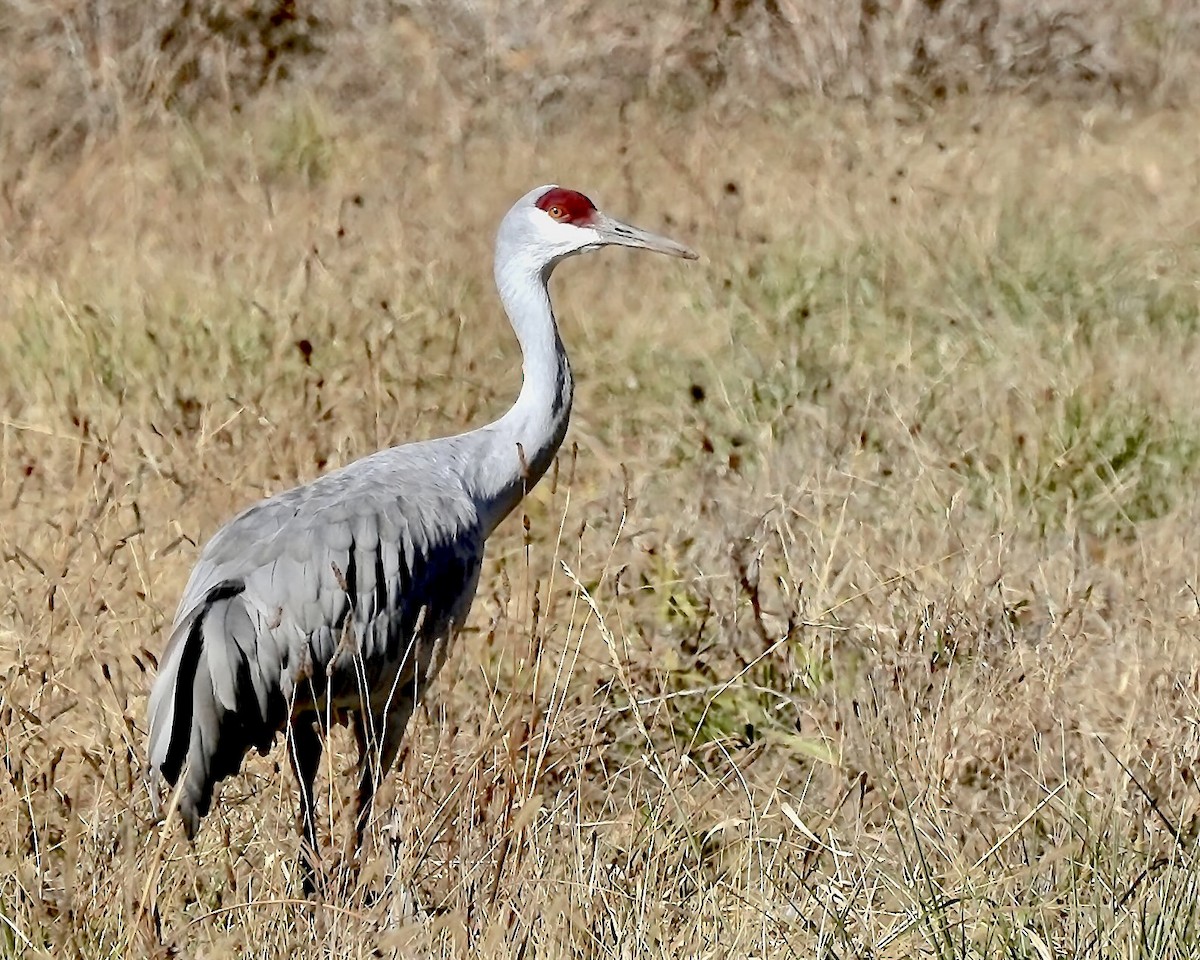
566	206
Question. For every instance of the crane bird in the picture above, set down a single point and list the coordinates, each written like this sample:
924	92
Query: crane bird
342	595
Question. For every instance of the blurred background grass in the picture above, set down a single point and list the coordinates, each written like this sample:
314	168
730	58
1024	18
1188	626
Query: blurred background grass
466	64
876	632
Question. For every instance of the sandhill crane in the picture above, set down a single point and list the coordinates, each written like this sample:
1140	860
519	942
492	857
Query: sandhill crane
342	595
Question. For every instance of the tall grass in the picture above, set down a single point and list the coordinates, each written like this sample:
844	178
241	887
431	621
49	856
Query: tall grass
81	70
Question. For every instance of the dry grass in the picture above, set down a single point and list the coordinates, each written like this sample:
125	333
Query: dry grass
856	621
97	67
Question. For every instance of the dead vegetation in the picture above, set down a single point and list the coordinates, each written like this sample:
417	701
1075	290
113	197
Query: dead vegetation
858	618
97	65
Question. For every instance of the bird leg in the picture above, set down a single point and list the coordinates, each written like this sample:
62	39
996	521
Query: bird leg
376	754
368	777
304	749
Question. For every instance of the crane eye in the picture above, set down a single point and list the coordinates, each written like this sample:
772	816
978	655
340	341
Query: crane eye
557	212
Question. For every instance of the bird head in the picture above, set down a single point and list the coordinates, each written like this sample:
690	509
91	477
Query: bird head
551	223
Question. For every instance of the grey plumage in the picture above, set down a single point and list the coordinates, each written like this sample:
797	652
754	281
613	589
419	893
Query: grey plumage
344	594
317	592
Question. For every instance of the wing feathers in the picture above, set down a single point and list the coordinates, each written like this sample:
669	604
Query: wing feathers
379	598
266	608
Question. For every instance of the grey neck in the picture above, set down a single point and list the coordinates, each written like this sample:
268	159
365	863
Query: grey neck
520	446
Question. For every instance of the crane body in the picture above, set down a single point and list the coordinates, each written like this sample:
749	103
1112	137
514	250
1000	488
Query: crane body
341	597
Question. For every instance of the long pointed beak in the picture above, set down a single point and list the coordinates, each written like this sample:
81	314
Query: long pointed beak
627	235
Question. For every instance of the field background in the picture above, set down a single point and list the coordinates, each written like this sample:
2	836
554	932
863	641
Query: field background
858	617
